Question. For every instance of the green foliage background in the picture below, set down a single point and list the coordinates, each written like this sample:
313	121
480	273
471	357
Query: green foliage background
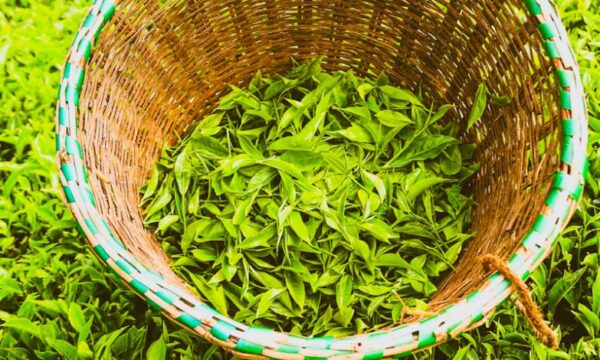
56	300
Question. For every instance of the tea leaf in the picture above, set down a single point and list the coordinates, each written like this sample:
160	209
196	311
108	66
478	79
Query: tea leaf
297	224
355	133
266	300
344	292
76	317
158	350
295	286
561	288
209	147
422	185
423	149
393	119
479	105
400	94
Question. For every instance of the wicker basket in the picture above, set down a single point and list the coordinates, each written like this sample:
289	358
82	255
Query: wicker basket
159	66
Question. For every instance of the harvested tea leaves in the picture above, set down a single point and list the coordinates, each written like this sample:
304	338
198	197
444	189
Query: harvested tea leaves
313	202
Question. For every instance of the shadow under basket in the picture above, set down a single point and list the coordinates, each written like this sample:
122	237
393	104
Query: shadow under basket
141	71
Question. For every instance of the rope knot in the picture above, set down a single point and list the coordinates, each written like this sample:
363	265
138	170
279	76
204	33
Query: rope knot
532	313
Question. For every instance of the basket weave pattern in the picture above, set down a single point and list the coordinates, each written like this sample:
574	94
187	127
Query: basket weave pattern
155	69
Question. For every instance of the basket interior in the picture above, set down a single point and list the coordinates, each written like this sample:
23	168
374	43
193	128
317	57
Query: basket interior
159	68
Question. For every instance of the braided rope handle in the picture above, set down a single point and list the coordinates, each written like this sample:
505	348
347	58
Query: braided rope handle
526	306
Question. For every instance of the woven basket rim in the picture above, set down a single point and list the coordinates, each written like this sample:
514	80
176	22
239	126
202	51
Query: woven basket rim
177	303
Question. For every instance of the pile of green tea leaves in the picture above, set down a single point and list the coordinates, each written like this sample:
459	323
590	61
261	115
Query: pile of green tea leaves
314	202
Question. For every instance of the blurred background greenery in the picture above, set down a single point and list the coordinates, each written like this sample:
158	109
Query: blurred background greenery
56	300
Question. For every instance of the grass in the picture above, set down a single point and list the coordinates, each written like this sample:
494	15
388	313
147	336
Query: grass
56	300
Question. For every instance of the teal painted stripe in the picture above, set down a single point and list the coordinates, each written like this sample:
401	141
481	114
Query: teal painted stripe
85	48
222	330
153	305
166	296
568	183
543	225
426	334
91	226
570	128
89	20
57	142
534	7
373	355
90	195
553	198
101	252
69	194
76	76
70	145
66	71
62	116
107	9
249	348
288	349
530	240
568	151
125	266
565	99
189	321
474	300
79	149
546	31
564	77
552	49
138	286
72	95
68	171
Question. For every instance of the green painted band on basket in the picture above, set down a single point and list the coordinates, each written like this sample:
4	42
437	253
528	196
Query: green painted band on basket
469	310
125	266
427	332
552	49
287	349
138	286
189	321
101	252
153	304
564	77
546	31
570	128
568	151
166	296
91	226
533	7
248	347
222	330
62	117
69	194
565	99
